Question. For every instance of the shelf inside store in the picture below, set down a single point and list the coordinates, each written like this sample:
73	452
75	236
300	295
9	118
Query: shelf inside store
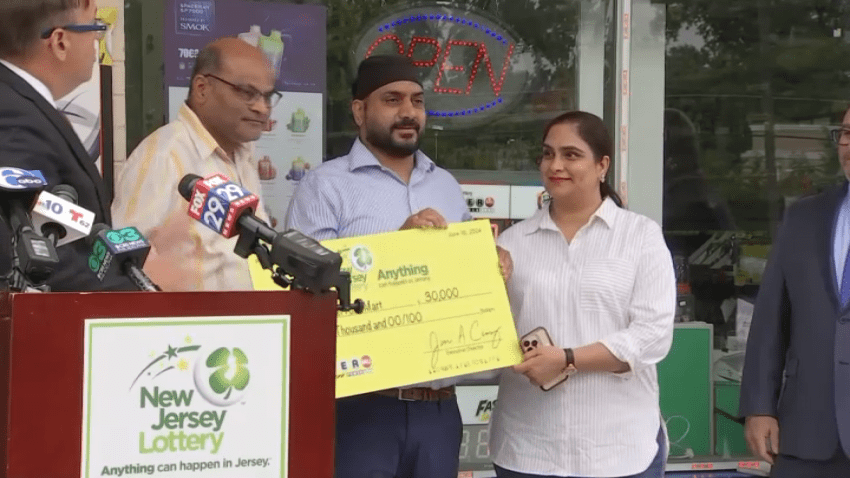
747	465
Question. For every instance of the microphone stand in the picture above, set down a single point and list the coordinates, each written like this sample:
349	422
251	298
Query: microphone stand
249	243
16	280
140	280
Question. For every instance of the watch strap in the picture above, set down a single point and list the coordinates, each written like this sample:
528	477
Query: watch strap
571	358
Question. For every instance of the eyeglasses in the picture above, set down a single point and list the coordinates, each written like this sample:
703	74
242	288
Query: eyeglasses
98	27
840	136
250	95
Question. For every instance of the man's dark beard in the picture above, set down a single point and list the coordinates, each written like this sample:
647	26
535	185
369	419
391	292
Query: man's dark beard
384	141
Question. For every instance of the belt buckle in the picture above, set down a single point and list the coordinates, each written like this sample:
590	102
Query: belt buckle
401	396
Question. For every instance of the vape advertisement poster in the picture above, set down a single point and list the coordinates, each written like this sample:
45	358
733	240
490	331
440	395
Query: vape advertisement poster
293	37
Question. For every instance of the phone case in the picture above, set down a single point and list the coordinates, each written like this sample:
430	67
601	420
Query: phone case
532	340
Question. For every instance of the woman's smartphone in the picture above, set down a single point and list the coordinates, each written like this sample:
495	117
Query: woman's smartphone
534	339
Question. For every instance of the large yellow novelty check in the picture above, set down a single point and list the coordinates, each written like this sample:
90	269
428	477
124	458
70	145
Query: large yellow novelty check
436	307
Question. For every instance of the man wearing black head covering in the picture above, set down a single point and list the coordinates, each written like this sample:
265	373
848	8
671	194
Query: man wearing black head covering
385	184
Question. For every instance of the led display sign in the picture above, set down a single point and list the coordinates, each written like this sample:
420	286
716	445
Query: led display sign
472	67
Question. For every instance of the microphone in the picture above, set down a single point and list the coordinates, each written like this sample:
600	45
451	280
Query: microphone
59	218
125	247
19	188
33	255
217	202
312	265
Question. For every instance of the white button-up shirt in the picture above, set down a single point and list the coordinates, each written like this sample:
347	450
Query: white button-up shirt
614	284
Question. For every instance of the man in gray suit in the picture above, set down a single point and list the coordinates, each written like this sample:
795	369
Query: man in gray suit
795	392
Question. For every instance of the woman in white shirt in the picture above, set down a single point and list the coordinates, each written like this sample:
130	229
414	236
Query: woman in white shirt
600	280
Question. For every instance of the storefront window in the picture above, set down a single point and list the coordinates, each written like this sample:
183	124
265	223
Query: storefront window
493	77
489	92
751	90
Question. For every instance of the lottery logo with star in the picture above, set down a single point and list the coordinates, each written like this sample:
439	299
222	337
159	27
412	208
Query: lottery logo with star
220	375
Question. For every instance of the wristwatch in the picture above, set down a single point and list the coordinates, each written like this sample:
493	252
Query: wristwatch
570	367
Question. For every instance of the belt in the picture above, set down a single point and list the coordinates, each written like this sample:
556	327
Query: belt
418	394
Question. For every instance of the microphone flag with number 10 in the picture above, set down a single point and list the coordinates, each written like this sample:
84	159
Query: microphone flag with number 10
52	209
218	202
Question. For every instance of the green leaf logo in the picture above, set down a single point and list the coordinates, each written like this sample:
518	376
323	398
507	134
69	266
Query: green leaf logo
231	371
361	258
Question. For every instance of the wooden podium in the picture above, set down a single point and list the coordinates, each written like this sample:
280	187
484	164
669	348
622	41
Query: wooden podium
41	370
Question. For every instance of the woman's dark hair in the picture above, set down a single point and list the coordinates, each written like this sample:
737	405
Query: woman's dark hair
592	131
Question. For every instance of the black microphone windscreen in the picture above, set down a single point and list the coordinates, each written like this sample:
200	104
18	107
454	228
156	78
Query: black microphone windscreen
66	192
187	184
95	231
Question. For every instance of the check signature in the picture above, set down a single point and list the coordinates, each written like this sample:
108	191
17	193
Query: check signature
437	345
475	335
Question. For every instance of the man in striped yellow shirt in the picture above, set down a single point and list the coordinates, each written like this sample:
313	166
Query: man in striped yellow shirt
230	100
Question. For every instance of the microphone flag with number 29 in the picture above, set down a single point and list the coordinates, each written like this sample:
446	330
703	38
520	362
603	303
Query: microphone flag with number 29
218	202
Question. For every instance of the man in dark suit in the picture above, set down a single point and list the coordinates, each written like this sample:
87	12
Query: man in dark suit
795	392
47	49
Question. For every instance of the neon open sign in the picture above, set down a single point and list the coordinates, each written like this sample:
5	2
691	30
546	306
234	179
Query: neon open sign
472	67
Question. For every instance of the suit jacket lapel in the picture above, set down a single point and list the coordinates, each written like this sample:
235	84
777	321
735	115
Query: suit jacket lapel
62	124
827	226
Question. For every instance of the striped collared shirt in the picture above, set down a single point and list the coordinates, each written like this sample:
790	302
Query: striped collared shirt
146	197
614	284
355	195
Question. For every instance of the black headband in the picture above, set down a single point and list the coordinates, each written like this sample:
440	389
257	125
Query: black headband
377	71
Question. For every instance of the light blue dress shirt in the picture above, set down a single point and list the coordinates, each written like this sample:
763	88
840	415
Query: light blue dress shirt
354	195
841	239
